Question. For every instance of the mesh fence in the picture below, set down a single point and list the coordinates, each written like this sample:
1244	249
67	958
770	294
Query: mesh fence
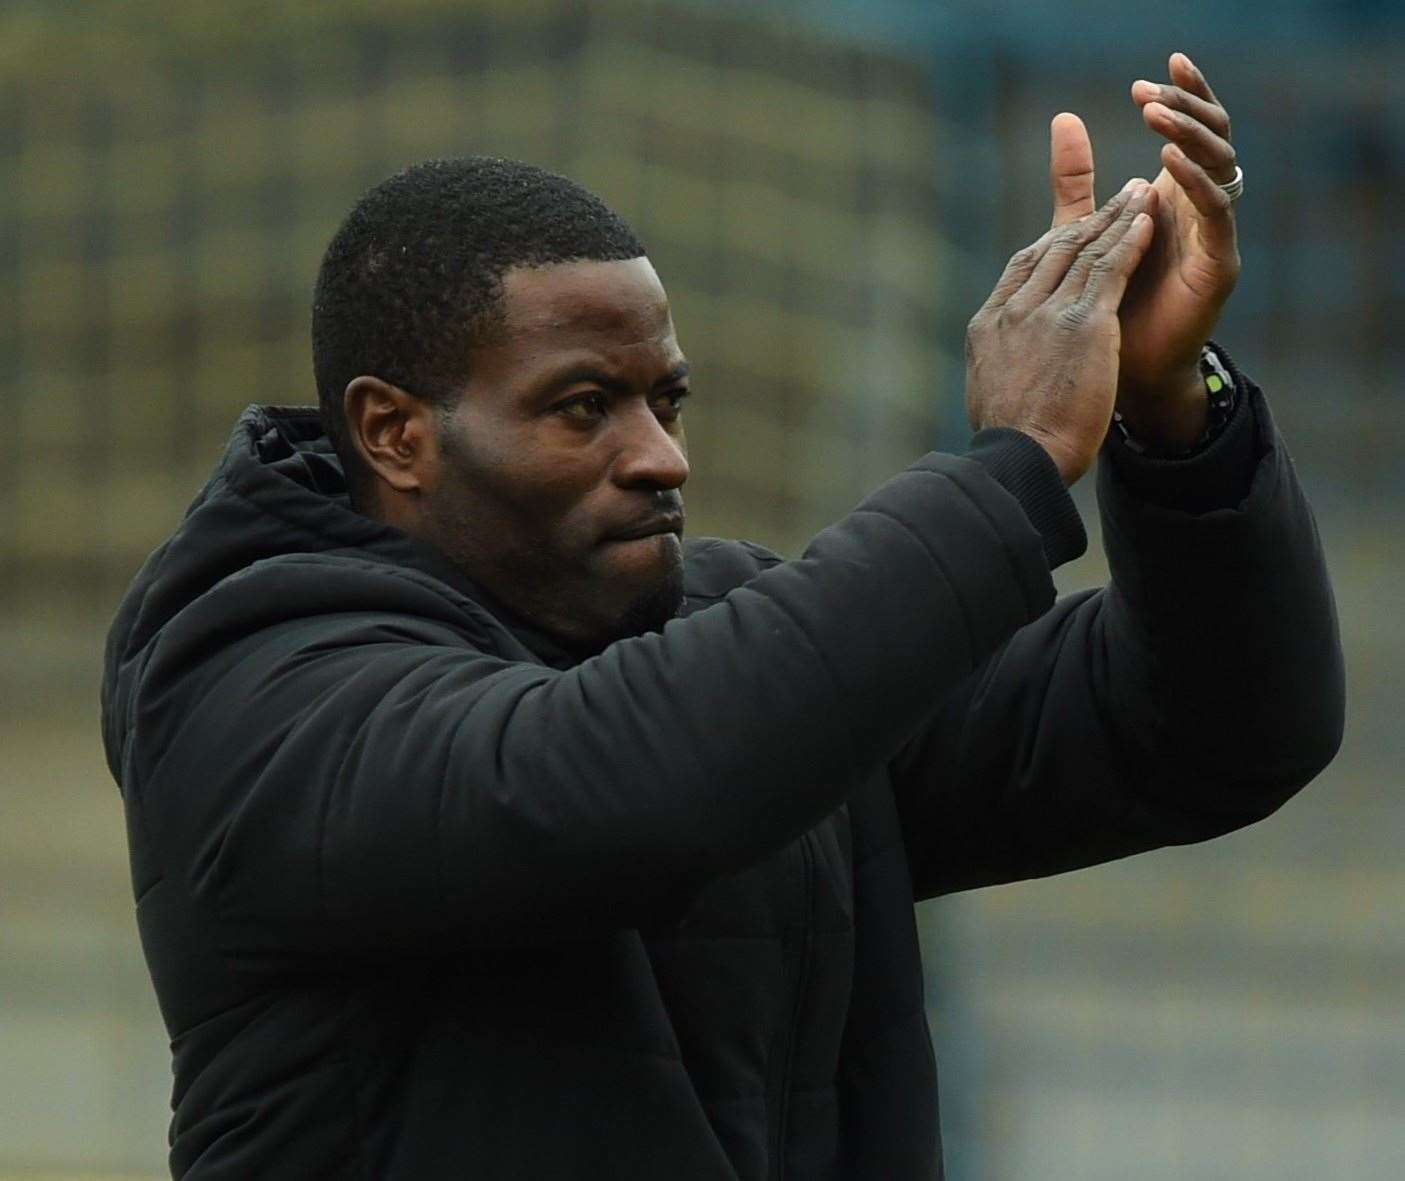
165	205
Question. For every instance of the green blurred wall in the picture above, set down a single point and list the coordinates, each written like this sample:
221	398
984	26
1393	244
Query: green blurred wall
168	186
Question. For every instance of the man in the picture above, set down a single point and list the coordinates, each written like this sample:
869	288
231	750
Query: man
482	828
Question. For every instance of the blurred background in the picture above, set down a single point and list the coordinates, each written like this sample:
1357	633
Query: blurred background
829	190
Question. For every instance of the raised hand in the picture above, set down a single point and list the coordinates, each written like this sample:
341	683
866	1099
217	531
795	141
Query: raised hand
1174	300
1042	352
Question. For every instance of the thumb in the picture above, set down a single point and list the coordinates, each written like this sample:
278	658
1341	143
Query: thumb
1070	168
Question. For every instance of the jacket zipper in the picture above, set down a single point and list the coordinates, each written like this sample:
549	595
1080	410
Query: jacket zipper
779	1099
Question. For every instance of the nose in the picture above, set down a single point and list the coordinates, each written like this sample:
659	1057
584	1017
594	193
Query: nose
649	455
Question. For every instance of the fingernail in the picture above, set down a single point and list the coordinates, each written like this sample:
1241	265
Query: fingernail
1152	85
1133	184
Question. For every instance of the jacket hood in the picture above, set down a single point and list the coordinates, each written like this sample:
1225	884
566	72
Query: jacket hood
277	490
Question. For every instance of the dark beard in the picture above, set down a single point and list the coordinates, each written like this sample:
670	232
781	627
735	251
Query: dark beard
526	584
651	610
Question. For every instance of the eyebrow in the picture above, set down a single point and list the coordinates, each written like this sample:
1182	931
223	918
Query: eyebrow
588	372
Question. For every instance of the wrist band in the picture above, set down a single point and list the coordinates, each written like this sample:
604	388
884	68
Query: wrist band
1220	398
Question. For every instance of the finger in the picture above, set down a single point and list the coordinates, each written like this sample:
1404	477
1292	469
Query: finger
1108	277
1065	244
1089	259
1185	73
1018	269
1214	116
1070	168
1212	152
1210	201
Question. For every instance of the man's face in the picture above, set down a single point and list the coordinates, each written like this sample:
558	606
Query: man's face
559	469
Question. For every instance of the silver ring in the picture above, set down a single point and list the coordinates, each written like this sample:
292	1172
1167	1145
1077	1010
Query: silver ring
1234	187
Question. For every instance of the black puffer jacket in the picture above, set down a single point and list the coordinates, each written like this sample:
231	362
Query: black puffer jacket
424	898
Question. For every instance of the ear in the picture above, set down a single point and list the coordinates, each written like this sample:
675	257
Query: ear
394	433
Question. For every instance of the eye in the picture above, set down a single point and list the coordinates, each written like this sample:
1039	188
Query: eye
583	408
668	406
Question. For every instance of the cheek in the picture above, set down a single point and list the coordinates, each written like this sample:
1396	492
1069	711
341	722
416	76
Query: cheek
549	506
533	489
519	473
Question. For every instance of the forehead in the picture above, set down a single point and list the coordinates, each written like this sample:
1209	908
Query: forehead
622	302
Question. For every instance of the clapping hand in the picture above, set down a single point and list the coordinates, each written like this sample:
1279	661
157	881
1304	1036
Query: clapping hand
1173	301
1042	352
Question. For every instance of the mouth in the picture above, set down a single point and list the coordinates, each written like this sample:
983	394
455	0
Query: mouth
651	527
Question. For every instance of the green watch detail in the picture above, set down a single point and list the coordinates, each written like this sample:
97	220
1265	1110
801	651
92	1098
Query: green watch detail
1219	386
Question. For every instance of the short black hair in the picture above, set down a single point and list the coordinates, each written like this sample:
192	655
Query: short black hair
413	278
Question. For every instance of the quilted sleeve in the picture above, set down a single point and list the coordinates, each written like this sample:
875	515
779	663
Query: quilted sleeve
1193	695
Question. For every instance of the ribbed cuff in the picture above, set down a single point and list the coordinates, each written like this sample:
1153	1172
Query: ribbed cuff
1215	476
1028	473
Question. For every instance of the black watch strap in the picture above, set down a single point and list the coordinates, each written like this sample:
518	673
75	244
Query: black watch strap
1221	394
